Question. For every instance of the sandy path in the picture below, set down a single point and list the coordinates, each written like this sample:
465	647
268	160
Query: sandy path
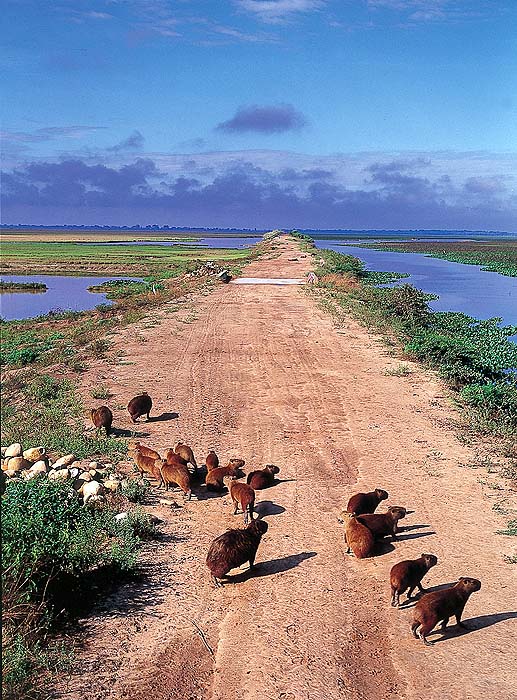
261	372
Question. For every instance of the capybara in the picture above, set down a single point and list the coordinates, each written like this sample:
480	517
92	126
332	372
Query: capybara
234	548
357	536
366	502
176	474
140	406
382	524
214	478
236	463
143	449
408	574
241	494
148	465
211	461
263	478
102	417
439	606
172	458
185	452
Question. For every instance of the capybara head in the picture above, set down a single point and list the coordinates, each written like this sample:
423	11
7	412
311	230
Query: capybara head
236	473
470	585
236	463
272	468
345	515
430	560
258	526
398	512
228	479
381	494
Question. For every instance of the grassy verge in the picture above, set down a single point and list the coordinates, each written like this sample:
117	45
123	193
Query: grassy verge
22	287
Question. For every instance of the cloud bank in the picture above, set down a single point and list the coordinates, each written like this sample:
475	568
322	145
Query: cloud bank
273	119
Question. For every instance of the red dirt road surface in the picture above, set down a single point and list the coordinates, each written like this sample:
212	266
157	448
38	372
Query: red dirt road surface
263	373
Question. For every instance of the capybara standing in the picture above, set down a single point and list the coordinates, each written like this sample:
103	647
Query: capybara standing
214	478
263	478
408	574
366	502
186	453
234	548
439	606
102	417
177	475
148	465
241	494
382	524
211	461
143	449
357	536
140	406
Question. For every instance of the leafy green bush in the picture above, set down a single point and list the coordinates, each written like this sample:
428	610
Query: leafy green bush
23	347
337	263
409	304
135	490
495	402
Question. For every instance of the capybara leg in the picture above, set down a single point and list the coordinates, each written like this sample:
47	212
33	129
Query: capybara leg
410	593
414	628
246	516
235	507
460	623
394	598
423	632
188	494
218	584
252	562
133	419
147	415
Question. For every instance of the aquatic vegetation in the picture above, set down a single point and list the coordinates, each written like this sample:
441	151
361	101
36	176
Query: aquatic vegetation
22	286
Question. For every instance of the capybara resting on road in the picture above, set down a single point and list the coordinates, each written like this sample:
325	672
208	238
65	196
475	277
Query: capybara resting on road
178	475
214	478
439	606
234	548
102	417
241	494
185	452
211	461
140	406
366	502
357	536
408	574
263	478
383	524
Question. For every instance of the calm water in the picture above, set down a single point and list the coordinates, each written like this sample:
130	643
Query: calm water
64	294
464	288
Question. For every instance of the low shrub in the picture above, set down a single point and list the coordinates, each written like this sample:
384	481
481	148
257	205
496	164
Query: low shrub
135	490
495	403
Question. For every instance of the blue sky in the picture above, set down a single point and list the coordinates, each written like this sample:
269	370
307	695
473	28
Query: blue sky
340	113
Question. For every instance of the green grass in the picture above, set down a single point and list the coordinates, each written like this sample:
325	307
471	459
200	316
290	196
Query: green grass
22	286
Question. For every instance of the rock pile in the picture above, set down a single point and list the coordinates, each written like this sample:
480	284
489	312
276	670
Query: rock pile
212	269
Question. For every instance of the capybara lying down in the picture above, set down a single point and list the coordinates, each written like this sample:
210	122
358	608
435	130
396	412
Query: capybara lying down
357	536
214	478
185	452
211	461
140	406
382	524
176	474
234	548
408	574
263	478
102	417
439	606
366	502
241	494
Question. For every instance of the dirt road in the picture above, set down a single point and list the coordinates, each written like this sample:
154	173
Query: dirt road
261	372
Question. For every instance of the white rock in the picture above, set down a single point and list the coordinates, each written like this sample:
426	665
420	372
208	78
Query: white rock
59	474
92	488
14	450
74	472
33	473
122	516
18	463
64	461
34	454
3	450
93	465
41	463
85	476
112	484
11	473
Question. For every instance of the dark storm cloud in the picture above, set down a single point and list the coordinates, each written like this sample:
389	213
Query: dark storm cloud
268	119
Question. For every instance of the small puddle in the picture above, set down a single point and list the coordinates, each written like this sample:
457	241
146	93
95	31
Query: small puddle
268	280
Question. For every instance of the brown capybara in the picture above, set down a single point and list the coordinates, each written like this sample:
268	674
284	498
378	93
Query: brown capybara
408	574
357	536
439	606
236	463
172	458
382	524
140	406
144	450
241	494
211	461
234	548
263	478
214	478
102	417
366	502
176	474
185	452
147	465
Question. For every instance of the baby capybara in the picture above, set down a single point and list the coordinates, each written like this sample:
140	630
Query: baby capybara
185	452
241	494
102	417
177	475
383	524
140	406
263	478
439	606
211	461
366	502
234	548
408	574
214	478
357	536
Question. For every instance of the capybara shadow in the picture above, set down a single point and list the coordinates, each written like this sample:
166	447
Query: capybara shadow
407	528
121	432
274	566
413	536
164	416
263	508
382	547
